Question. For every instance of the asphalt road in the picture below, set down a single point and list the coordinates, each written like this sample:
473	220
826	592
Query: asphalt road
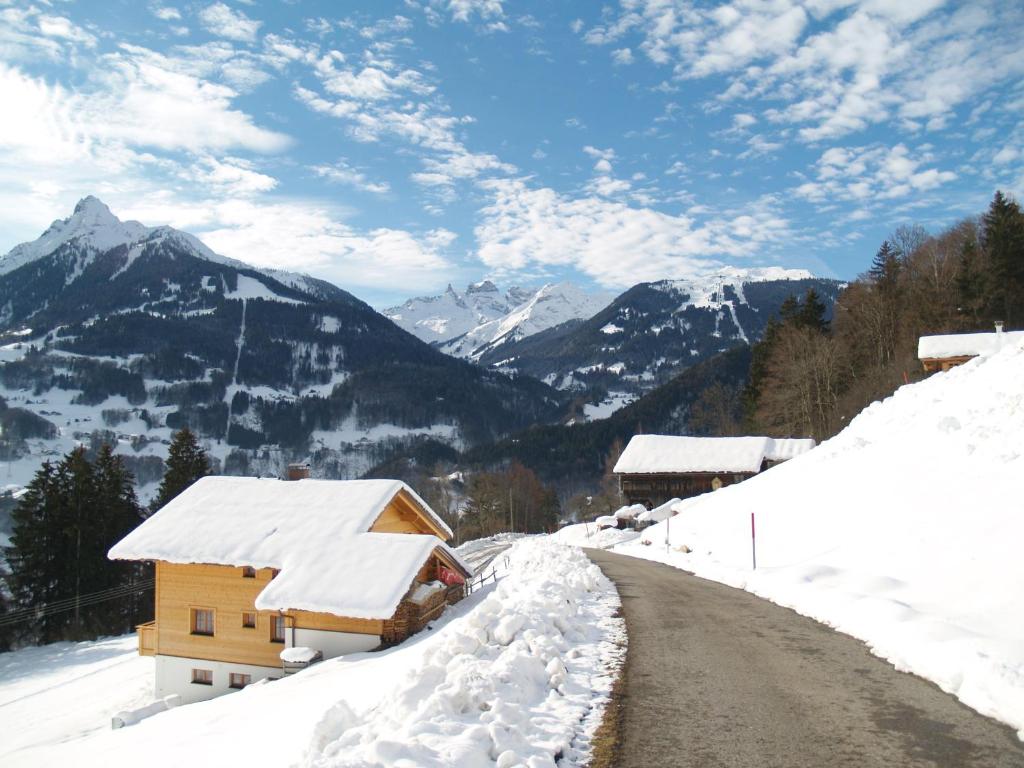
717	677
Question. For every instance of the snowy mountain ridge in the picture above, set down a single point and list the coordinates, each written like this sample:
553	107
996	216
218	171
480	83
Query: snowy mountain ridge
470	323
115	332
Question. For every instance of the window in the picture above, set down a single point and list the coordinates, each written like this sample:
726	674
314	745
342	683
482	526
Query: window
248	572
277	629
238	680
249	620
202	676
202	621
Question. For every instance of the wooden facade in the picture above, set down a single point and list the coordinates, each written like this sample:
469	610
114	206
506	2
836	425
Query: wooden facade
653	490
934	364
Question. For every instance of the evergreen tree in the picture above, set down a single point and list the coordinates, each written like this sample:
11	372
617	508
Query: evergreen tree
69	517
812	312
120	513
885	267
186	463
970	288
1003	240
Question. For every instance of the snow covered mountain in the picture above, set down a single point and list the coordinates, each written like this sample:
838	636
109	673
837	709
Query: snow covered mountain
653	331
483	318
113	331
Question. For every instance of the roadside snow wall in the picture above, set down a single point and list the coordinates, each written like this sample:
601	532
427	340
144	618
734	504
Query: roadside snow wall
513	683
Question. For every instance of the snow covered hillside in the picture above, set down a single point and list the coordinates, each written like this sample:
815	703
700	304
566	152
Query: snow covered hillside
904	530
483	318
517	674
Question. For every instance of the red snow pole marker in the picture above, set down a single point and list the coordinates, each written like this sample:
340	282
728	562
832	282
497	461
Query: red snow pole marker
753	542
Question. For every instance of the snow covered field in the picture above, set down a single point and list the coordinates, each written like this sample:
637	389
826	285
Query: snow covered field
517	674
905	530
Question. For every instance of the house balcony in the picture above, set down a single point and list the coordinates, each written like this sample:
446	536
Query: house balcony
147	639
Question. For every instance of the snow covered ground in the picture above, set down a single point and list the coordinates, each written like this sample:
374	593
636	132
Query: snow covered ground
905	530
517	674
588	535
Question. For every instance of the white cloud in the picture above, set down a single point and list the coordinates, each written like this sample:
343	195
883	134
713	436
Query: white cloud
871	174
622	56
166	13
230	176
58	26
615	244
220	20
342	173
304	236
465	10
863	63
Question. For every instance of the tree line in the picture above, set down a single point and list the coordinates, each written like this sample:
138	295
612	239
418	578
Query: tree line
58	583
809	376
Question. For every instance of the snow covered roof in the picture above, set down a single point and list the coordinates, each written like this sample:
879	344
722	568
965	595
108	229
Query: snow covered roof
658	454
966	344
316	532
785	448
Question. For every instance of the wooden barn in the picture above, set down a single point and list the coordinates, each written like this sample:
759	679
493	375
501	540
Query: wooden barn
940	353
657	468
248	568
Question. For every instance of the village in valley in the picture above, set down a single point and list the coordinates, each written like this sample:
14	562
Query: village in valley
717	460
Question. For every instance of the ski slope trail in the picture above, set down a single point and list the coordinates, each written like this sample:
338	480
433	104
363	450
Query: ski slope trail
715	676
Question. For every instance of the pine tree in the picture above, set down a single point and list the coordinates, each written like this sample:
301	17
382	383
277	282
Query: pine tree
69	517
1003	240
885	267
186	463
118	513
812	312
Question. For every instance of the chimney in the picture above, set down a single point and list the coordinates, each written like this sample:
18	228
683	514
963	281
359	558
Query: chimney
298	472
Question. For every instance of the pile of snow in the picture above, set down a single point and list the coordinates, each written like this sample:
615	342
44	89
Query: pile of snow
511	685
516	674
659	514
589	535
904	530
629	512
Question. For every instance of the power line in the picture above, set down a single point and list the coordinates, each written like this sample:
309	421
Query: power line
60	606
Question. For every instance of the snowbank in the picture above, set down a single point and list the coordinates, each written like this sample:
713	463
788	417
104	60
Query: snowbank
518	673
904	530
510	685
588	535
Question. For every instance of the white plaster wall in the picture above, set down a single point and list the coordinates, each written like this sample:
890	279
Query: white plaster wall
333	644
174	675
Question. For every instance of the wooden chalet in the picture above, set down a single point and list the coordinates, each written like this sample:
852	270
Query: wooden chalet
247	568
655	469
940	353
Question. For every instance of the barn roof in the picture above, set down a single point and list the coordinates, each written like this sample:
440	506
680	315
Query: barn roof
675	454
965	344
315	532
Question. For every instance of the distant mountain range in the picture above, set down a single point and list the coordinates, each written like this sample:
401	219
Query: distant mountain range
654	331
483	319
116	331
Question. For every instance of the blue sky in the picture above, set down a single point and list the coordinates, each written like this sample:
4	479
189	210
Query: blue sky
395	147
